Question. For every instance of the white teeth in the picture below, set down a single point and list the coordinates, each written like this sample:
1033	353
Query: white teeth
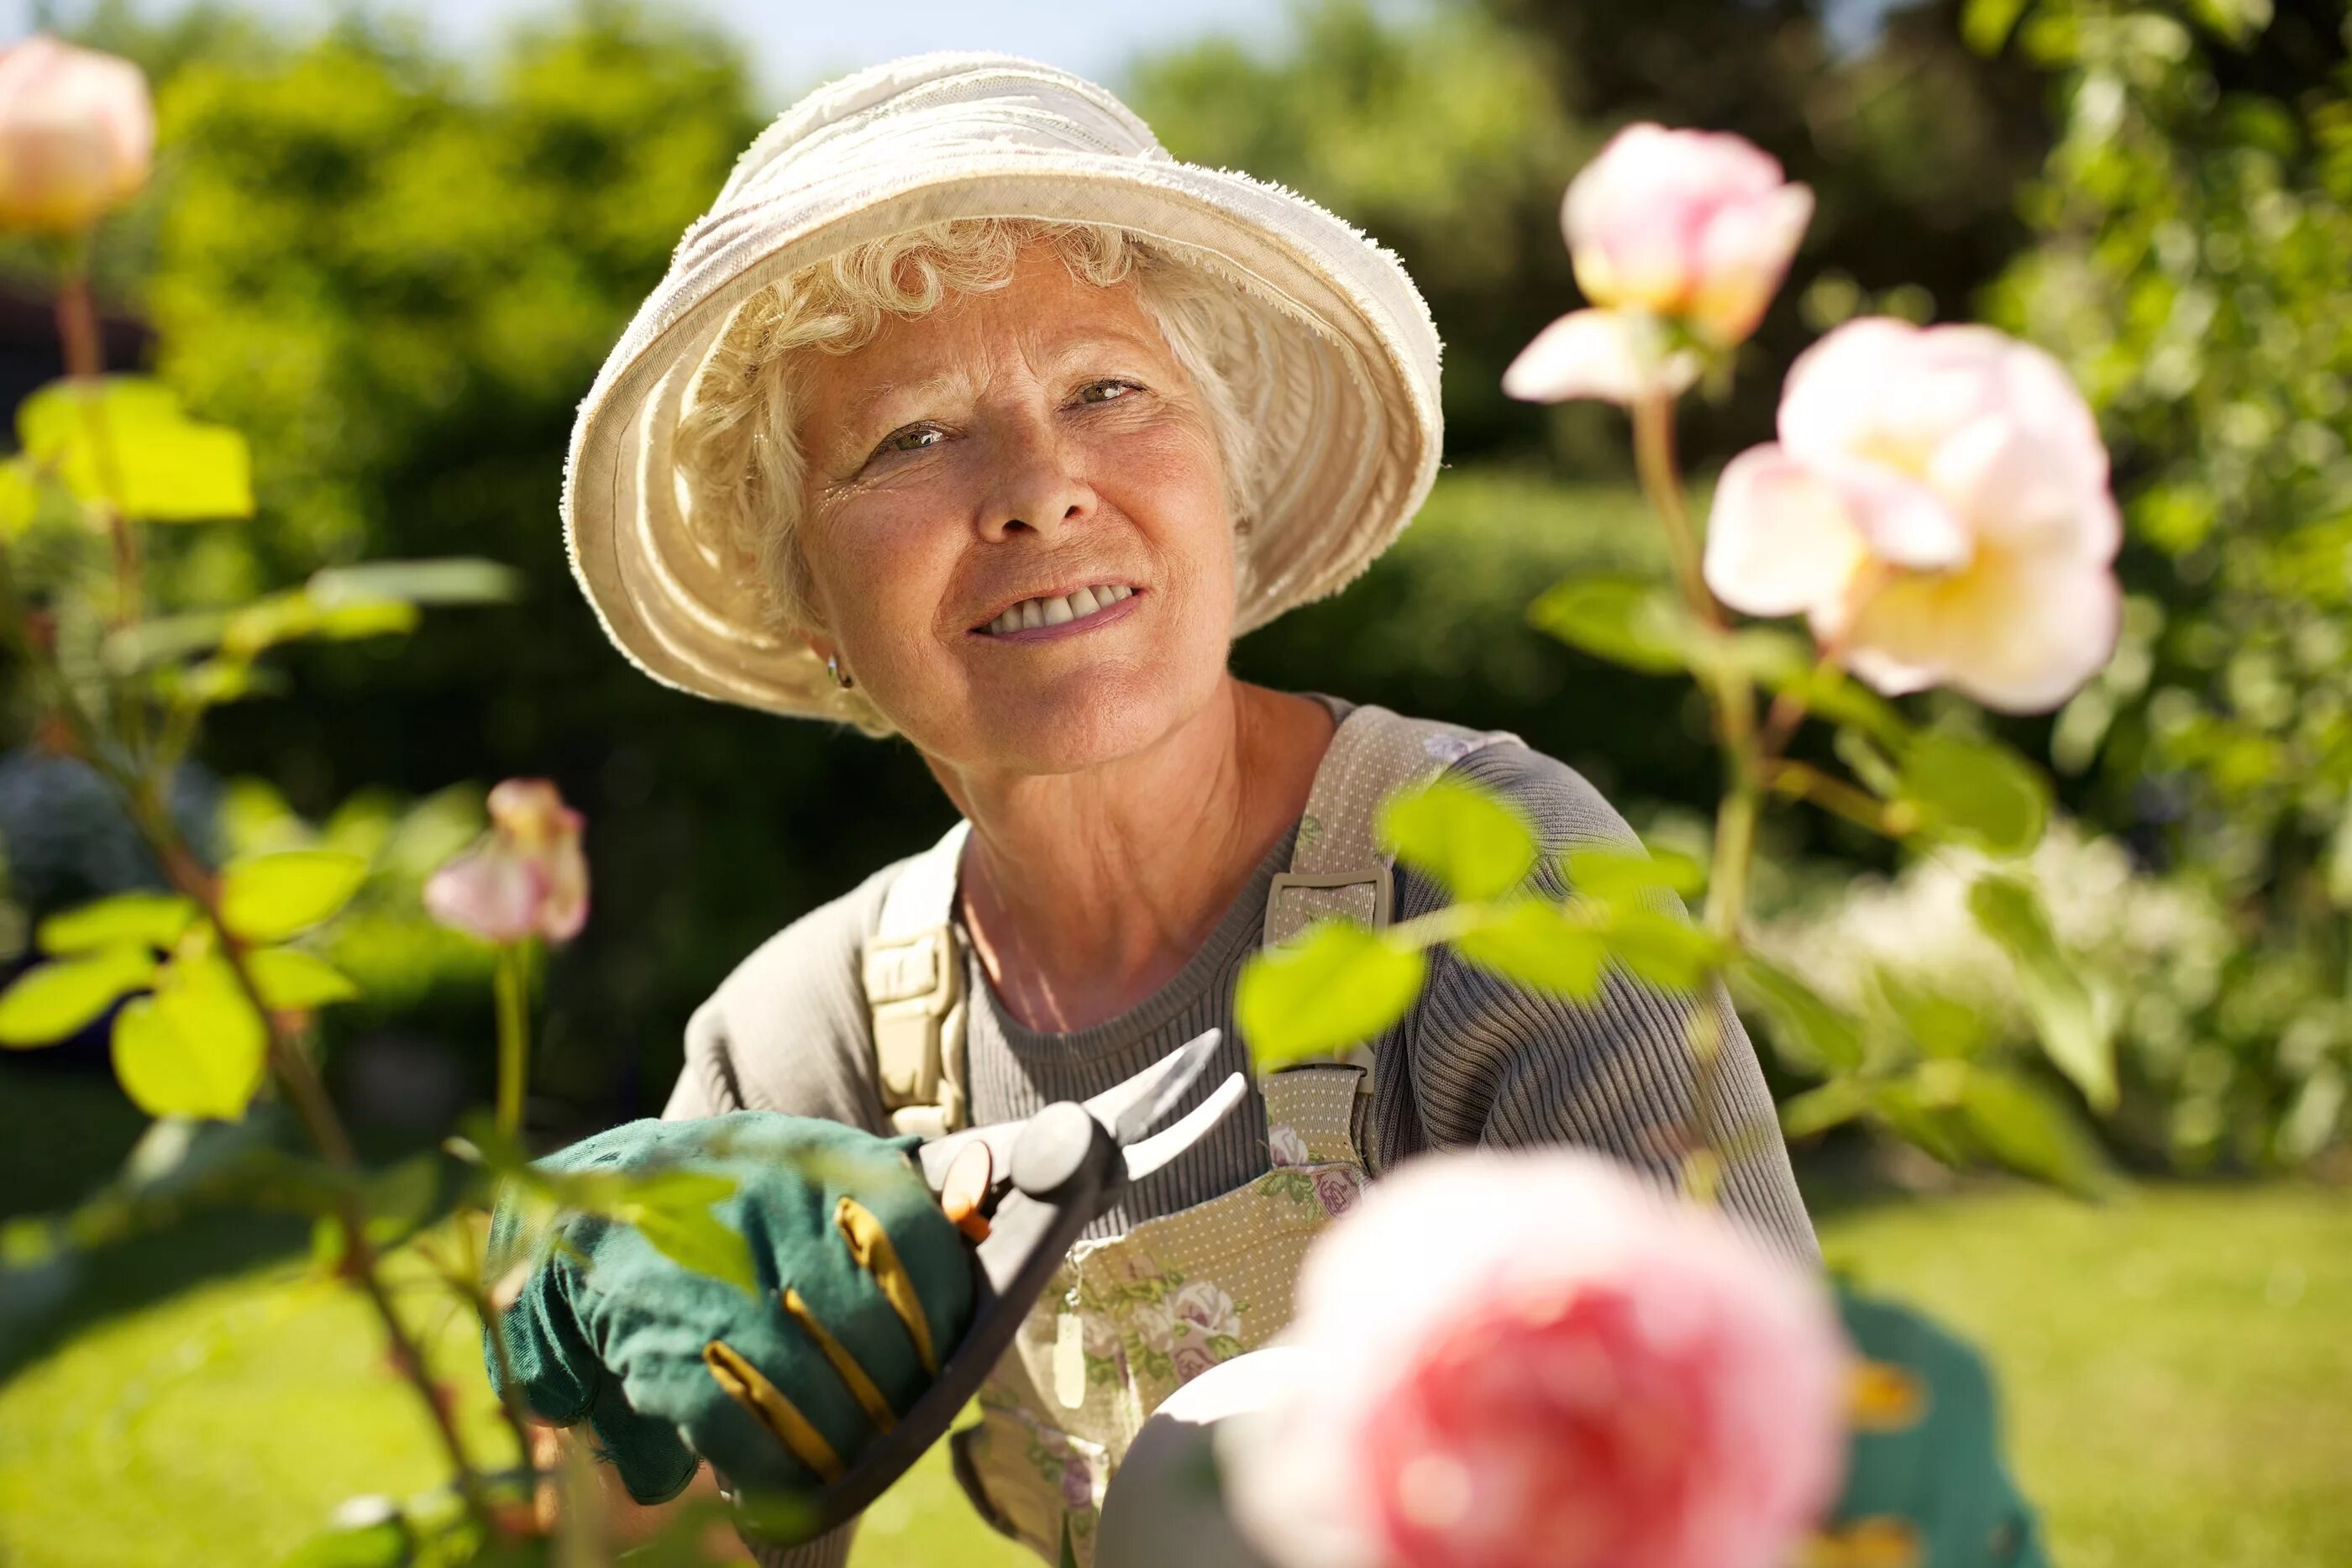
1057	610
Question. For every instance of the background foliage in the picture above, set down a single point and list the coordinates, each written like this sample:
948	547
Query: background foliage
398	271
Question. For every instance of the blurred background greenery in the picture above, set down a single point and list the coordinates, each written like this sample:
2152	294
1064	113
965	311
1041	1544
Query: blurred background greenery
396	263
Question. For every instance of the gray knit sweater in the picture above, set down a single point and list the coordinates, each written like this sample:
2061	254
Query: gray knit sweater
1478	1060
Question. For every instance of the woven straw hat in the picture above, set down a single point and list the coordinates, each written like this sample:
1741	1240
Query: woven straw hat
1329	350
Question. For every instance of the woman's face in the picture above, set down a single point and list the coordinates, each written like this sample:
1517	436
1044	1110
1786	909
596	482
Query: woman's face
969	473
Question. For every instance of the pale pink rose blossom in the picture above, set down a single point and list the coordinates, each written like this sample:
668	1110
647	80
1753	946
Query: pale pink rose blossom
528	877
77	135
1697	226
1285	1147
1532	1360
1684	227
1937	507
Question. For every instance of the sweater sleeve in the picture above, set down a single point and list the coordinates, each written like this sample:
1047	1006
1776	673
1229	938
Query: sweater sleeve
1490	1063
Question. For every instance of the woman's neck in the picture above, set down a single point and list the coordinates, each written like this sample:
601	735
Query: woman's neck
1085	893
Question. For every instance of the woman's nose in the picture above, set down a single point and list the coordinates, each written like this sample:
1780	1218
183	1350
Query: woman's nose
1036	485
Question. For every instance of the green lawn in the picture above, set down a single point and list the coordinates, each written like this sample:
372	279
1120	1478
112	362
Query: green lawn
2179	1370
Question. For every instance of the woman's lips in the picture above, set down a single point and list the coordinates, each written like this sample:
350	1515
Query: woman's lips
1103	615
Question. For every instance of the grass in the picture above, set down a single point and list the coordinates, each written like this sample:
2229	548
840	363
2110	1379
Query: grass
2178	1370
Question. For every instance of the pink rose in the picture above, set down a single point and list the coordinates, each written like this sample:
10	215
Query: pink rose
528	877
1285	1147
1534	1361
77	135
1687	227
1937	508
1191	1360
1337	1191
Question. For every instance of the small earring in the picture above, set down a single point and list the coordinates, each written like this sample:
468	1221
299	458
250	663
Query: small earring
841	677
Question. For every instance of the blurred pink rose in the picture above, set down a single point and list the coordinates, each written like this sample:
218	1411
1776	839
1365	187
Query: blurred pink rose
1575	1372
527	878
77	135
1937	507
1691	228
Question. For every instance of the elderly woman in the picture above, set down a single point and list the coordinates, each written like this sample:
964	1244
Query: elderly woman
969	416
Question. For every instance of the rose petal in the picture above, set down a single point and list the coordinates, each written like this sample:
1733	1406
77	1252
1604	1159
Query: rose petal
1743	255
488	893
1779	537
2017	633
1597	354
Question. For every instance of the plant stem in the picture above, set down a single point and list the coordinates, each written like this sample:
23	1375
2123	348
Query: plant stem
507	982
1805	782
85	362
1661	484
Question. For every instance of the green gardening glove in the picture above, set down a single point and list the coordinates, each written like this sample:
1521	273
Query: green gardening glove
866	1287
1924	1485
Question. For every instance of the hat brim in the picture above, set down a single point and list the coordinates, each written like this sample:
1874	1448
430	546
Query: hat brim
1332	358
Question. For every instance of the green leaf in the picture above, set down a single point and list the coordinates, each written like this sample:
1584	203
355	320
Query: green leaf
1670	954
1977	792
290	978
195	1048
1870	765
1626	621
49	1003
1817	1109
1335	985
141	919
127	442
2075	1035
1477	846
1985	25
1810	1032
2030	1130
692	1237
1539	945
20	496
267	898
1615	873
1937	1024
458	580
1927	1126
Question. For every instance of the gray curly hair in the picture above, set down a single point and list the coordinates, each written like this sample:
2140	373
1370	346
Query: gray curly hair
738	453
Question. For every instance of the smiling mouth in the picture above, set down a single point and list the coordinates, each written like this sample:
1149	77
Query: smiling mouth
1057	609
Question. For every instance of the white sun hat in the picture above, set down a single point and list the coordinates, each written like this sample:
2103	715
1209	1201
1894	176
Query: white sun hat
1329	350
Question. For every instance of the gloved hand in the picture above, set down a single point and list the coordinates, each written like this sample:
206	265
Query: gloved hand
1925	1483
866	1287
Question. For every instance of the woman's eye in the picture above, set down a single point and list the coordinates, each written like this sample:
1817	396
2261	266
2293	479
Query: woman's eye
913	438
1107	392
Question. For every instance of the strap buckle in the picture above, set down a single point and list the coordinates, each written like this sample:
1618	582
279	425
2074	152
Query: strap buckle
1285	918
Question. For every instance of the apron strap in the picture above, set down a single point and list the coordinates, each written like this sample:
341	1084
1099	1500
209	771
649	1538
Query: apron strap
914	966
913	972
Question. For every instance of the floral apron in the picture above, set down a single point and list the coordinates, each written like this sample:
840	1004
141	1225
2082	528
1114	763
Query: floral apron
1131	1319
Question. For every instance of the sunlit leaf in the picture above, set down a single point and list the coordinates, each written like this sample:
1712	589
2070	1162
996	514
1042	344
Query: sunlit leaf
1670	954
1335	985
1615	872
2074	1036
454	581
692	1237
1939	1024
1626	621
147	919
2030	1130
50	1002
1539	945
128	442
1977	792
270	897
1933	1128
290	978
1810	1032
196	1048
1817	1109
1476	845
20	496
